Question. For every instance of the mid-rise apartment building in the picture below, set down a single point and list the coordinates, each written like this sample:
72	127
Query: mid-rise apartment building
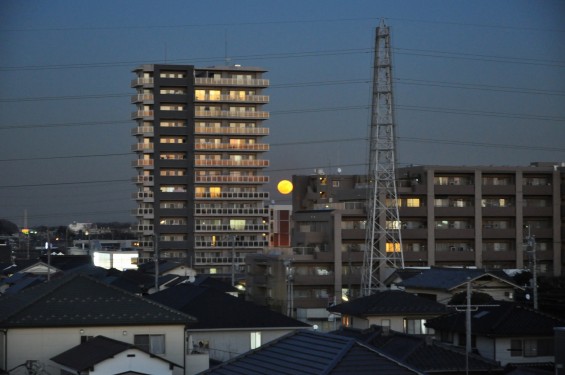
200	164
450	216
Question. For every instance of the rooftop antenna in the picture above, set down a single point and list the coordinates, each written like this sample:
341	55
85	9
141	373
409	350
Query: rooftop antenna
383	241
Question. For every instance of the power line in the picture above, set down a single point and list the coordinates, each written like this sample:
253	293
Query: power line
302	54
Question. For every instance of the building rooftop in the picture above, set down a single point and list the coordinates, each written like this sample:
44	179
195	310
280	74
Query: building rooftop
79	300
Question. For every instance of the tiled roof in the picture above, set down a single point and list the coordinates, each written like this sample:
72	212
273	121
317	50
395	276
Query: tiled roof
445	278
88	354
215	309
504	319
307	352
389	302
79	300
419	351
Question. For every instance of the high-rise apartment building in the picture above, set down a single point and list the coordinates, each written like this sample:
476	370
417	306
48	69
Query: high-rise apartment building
199	164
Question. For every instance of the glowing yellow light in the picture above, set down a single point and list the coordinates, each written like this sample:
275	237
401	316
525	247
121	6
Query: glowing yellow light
285	187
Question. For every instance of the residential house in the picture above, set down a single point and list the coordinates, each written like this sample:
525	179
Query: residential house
101	355
394	309
443	283
46	320
313	353
421	352
506	332
227	326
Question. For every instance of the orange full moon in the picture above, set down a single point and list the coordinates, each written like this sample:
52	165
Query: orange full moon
285	187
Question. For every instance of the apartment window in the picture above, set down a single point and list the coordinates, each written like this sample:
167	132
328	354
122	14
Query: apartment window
173	124
172	74
537	181
237	224
172	140
154	344
215	191
255	340
173	189
498	180
537	202
172	90
173	156
172	107
172	172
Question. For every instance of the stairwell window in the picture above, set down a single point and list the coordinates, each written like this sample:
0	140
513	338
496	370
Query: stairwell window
154	344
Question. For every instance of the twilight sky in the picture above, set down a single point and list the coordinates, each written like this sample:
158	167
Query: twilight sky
476	82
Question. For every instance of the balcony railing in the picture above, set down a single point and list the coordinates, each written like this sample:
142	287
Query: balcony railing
146	180
231	82
235	99
145	147
141	114
228	195
232	211
229	228
231	131
227	244
229	146
145	196
142	98
143	130
146	213
218	260
232	179
261	115
232	163
142	163
142	81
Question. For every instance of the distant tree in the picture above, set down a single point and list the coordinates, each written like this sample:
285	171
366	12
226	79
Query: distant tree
477	298
522	278
7	227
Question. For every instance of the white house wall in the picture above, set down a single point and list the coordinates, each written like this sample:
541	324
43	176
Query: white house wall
44	343
224	345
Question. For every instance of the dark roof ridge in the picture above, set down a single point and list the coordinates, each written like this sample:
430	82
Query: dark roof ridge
53	285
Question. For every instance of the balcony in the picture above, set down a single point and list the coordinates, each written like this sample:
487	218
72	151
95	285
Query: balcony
231	211
146	197
146	230
230	131
259	115
143	163
231	82
202	245
147	131
228	228
146	115
262	99
229	146
142	81
146	213
204	260
232	163
143	147
232	179
262	195
142	98
144	180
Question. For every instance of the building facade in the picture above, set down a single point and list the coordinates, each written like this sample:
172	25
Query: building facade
199	164
450	216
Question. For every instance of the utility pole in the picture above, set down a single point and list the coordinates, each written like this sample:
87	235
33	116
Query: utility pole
156	257
383	241
531	243
468	328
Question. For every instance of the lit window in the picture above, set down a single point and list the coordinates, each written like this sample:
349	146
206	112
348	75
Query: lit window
413	202
255	340
215	192
392	247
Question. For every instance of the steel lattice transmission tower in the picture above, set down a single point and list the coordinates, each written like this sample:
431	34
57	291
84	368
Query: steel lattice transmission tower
383	241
